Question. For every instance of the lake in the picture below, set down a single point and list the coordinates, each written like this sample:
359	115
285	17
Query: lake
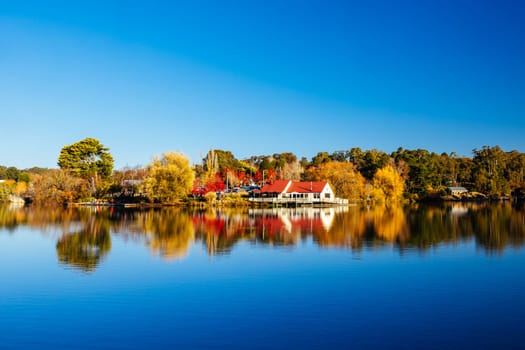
425	277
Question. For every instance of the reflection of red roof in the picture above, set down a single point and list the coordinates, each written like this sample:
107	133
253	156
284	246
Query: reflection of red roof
277	186
307	187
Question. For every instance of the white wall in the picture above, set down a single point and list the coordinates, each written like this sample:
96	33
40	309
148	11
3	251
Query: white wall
327	189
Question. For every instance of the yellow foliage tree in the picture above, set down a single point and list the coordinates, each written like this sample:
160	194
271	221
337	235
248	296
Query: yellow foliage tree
170	178
347	181
387	186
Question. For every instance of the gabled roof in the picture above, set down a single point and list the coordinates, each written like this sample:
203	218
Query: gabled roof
277	186
307	187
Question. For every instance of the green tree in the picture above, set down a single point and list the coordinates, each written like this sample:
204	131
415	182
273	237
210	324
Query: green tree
489	170
220	160
465	168
515	170
372	161
170	178
320	158
340	156
88	159
12	173
426	171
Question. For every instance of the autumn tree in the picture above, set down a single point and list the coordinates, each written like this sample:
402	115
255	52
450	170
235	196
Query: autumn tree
170	177
57	186
291	171
7	188
387	186
210	165
88	159
347	181
286	166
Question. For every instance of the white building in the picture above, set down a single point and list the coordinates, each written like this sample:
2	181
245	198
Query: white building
291	192
457	190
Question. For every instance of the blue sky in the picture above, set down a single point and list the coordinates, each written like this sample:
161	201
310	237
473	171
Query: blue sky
259	77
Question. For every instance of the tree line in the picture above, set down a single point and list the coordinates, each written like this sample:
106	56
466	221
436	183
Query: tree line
86	173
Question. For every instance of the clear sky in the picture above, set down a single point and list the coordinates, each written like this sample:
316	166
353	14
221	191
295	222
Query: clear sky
259	77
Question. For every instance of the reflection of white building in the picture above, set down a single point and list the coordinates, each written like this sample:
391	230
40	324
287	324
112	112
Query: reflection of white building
284	192
327	217
303	217
458	210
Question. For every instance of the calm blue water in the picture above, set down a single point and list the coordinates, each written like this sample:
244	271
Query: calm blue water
438	278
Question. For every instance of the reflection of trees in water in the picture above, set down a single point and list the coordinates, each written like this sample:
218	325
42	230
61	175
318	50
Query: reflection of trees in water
11	218
498	227
494	227
430	226
359	227
221	230
42	218
282	227
389	224
85	249
170	233
346	230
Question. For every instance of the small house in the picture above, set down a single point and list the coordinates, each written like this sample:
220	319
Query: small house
456	191
296	193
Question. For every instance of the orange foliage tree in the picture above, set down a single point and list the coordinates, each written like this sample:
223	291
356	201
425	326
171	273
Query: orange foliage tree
346	180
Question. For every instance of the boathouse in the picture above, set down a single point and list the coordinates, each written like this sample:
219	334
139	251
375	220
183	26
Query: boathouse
287	192
456	191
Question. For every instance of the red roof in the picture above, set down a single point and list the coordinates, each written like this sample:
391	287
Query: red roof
277	186
307	187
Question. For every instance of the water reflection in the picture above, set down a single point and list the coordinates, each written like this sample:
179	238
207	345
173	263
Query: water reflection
168	233
221	230
84	234
85	249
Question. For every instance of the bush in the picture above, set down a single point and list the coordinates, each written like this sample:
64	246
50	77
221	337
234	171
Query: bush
6	189
211	198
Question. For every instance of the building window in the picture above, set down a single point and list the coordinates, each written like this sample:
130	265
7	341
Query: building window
327	195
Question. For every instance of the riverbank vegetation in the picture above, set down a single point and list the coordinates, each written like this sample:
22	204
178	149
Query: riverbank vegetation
86	174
